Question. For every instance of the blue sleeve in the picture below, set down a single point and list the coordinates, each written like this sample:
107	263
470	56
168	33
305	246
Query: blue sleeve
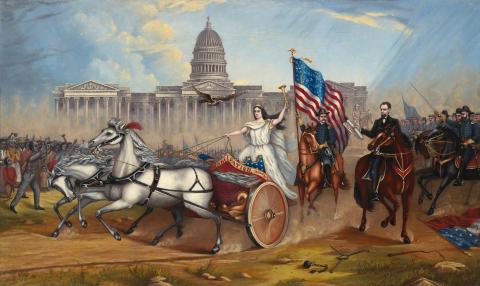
476	132
331	137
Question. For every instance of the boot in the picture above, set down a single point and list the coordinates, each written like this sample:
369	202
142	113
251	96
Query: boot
374	194
458	180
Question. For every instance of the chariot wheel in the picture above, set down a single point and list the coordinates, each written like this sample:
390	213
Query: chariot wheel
267	215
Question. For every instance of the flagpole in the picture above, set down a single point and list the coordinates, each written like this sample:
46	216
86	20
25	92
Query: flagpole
433	109
297	115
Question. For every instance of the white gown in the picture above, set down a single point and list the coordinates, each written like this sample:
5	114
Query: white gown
264	139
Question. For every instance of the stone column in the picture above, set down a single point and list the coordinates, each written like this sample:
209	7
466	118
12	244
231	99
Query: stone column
115	106
120	104
77	99
185	123
105	103
128	109
145	114
57	107
85	102
224	106
159	114
151	116
195	117
97	109
67	102
168	115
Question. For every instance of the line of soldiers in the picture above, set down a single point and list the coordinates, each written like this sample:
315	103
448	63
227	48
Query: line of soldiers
465	124
26	162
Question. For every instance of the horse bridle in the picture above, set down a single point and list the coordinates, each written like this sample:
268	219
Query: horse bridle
309	146
109	140
432	151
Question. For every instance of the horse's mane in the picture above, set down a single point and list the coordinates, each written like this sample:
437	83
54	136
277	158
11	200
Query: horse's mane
82	159
141	150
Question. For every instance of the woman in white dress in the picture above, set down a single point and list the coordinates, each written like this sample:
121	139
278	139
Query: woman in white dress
265	138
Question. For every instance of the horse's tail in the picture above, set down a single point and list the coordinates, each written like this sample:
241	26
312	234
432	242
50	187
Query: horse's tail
357	194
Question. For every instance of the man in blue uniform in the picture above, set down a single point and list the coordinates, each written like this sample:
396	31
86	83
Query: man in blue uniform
469	134
326	139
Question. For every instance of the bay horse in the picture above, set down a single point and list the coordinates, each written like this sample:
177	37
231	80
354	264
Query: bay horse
397	179
442	147
135	182
310	171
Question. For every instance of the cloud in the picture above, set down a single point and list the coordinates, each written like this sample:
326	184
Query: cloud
364	19
97	27
131	71
158	30
146	10
378	20
184	6
400	26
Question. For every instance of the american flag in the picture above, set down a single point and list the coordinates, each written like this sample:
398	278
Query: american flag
312	92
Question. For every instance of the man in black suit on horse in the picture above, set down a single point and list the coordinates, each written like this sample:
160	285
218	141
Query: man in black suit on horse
384	122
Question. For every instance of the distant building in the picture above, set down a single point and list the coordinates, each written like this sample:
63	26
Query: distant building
175	108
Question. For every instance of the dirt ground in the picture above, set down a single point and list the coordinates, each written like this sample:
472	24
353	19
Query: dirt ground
29	256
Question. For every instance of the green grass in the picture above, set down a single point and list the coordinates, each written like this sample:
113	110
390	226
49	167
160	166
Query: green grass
133	275
380	270
209	268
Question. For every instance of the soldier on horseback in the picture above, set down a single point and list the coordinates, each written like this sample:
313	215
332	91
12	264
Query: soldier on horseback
469	134
325	137
384	122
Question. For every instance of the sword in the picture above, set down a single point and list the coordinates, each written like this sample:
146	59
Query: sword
352	129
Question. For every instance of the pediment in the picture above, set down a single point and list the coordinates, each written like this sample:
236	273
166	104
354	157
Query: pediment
92	85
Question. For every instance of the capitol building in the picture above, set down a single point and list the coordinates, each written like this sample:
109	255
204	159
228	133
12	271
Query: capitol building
174	109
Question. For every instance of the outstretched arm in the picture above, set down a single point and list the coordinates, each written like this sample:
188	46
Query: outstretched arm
280	116
238	132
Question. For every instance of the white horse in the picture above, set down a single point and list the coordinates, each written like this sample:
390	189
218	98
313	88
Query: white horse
72	172
66	178
135	181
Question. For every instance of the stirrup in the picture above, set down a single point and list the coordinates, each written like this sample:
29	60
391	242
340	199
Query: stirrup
375	197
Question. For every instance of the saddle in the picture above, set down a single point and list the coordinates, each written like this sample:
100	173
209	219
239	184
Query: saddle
473	164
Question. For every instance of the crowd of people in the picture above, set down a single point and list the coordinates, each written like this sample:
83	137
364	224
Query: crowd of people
413	126
26	162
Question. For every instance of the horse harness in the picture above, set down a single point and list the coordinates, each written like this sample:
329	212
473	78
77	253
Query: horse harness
133	178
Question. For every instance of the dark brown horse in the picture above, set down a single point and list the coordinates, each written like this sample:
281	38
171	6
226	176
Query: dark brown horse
397	179
310	172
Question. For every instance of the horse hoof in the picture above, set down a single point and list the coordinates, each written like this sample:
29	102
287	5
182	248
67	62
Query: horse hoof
155	241
68	223
55	234
129	231
362	228
420	201
393	222
429	196
215	250
117	236
179	234
84	223
407	240
384	223
431	211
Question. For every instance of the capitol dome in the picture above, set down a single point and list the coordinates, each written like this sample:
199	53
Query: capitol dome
209	57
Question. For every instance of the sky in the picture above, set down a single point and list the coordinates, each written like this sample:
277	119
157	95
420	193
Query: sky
386	45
